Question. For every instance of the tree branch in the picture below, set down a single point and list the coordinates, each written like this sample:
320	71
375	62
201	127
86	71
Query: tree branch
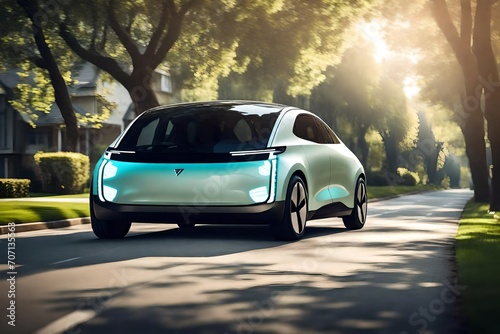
482	32
173	32
123	35
168	7
444	21
106	63
466	23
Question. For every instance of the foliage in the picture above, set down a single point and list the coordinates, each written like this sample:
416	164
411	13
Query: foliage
408	178
19	52
104	110
63	172
358	97
12	188
275	46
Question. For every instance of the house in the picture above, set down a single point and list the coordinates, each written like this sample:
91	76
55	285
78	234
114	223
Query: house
19	141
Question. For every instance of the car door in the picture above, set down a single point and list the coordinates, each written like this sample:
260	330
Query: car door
341	173
318	160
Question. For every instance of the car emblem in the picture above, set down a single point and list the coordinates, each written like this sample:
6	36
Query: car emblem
178	171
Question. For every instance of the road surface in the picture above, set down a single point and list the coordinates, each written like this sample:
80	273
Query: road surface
394	276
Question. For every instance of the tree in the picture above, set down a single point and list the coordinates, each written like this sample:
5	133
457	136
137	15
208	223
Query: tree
393	120
146	51
349	93
284	52
430	149
490	89
44	59
473	123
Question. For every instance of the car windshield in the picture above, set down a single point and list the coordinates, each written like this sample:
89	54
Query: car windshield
201	129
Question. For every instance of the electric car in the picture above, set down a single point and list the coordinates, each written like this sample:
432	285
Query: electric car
227	162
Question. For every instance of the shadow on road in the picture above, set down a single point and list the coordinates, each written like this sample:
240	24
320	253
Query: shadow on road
251	298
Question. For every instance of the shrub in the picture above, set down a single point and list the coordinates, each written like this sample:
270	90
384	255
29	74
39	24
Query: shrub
408	178
378	178
63	172
14	188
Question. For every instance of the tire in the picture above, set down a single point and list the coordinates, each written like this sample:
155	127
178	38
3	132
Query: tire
356	220
293	223
108	229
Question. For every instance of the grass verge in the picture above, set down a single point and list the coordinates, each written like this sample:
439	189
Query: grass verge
27	212
85	195
478	251
388	191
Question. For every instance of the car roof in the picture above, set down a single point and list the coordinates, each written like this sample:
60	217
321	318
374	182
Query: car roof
250	107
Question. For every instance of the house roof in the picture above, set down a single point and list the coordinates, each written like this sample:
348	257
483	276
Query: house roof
86	76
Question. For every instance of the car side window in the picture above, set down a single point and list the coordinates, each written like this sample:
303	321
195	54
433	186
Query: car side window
147	134
306	128
328	136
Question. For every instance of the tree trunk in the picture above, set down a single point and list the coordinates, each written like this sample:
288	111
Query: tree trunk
143	97
490	87
431	164
475	146
62	98
471	120
391	152
363	145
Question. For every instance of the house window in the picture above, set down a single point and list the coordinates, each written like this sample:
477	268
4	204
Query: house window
166	83
38	141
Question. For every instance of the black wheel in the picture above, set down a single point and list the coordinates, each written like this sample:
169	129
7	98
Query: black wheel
293	223
356	220
108	229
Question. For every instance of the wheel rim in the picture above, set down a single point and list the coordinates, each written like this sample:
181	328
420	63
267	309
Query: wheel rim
362	202
298	208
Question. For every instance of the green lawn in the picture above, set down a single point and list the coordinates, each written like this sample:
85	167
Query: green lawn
30	211
478	254
86	195
388	191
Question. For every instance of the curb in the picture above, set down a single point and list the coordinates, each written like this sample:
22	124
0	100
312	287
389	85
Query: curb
27	227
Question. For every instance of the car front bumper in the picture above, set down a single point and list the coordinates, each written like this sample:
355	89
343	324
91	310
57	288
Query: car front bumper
266	213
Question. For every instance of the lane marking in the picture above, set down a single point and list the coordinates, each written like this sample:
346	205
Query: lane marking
63	261
67	322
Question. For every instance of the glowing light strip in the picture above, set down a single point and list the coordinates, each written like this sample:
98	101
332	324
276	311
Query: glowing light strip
271	151
274	174
99	180
119	152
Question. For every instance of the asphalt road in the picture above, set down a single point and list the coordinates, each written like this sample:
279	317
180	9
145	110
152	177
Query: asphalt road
394	276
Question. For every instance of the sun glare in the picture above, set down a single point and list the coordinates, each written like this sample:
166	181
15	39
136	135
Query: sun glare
411	87
373	32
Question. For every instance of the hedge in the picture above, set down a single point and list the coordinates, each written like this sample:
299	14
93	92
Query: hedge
63	172
14	188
